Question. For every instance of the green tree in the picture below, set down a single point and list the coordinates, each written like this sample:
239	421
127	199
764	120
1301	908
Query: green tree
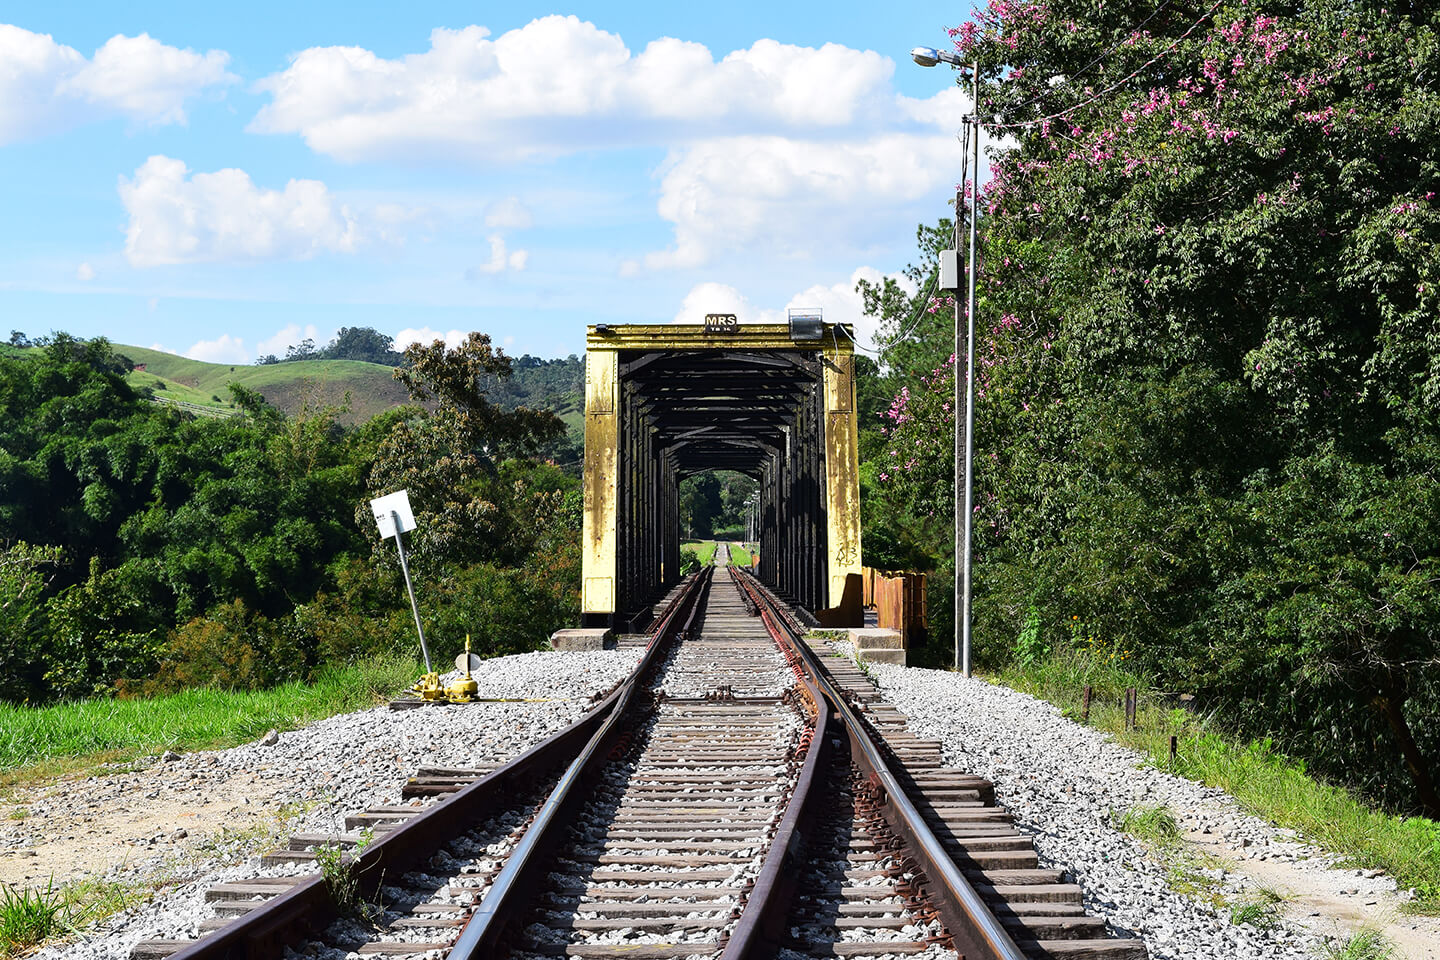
304	350
22	637
1207	361
699	504
159	515
449	459
736	489
361	343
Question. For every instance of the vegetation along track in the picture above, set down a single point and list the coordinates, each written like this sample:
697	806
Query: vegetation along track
742	795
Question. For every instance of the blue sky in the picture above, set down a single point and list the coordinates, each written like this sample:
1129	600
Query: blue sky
225	181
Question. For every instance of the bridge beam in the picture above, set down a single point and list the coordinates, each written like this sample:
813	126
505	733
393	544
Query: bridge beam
599	531
842	469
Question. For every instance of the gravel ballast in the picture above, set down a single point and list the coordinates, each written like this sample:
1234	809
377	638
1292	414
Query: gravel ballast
1066	784
315	776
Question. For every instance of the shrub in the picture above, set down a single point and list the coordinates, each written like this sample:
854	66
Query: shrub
502	610
689	561
101	630
233	648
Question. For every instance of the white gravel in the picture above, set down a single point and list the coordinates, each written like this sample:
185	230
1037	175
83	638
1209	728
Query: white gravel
337	766
1064	782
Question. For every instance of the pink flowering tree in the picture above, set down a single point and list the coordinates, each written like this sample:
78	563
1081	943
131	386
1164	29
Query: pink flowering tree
1208	361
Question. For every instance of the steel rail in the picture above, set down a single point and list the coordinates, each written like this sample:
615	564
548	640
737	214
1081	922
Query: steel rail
976	932
765	917
264	932
525	867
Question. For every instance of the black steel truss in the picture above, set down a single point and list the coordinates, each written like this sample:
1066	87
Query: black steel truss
760	413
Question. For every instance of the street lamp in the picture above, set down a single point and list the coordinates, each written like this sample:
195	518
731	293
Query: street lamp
929	57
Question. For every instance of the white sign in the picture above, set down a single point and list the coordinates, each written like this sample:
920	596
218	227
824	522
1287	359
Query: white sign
387	507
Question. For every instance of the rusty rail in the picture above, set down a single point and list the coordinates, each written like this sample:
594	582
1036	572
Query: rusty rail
976	932
525	867
263	933
763	921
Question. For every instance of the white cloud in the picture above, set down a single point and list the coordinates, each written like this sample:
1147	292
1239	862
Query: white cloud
560	84
508	214
501	258
786	196
289	336
224	349
85	272
943	109
713	297
771	147
146	79
46	86
426	336
224	216
839	303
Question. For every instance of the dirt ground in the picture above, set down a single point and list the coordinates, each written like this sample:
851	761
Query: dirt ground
1334	903
83	827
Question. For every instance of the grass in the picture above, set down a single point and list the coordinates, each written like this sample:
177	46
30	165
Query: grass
1365	945
40	742
1264	781
1260	911
1154	824
29	917
704	549
1187	870
343	881
174	390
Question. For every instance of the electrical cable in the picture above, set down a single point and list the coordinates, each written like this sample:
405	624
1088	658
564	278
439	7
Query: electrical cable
880	351
1081	72
1115	86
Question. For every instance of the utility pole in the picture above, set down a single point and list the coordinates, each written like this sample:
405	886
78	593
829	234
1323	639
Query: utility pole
949	280
972	270
961	556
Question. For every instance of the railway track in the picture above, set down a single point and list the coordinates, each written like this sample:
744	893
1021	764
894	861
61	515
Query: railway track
745	794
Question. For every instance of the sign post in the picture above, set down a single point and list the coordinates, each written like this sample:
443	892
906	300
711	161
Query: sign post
394	519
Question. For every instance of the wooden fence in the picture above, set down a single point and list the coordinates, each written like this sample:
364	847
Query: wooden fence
898	600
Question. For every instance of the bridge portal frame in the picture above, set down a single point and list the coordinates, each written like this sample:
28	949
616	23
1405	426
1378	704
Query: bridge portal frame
631	472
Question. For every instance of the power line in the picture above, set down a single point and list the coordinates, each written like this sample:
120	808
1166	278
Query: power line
1115	86
930	284
1081	72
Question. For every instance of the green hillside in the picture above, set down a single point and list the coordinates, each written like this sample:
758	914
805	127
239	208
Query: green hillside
203	388
289	386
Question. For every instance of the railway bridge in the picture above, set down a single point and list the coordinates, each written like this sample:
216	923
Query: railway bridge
745	793
775	402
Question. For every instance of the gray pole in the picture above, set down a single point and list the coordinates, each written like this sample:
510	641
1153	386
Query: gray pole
970	377
405	569
961	555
